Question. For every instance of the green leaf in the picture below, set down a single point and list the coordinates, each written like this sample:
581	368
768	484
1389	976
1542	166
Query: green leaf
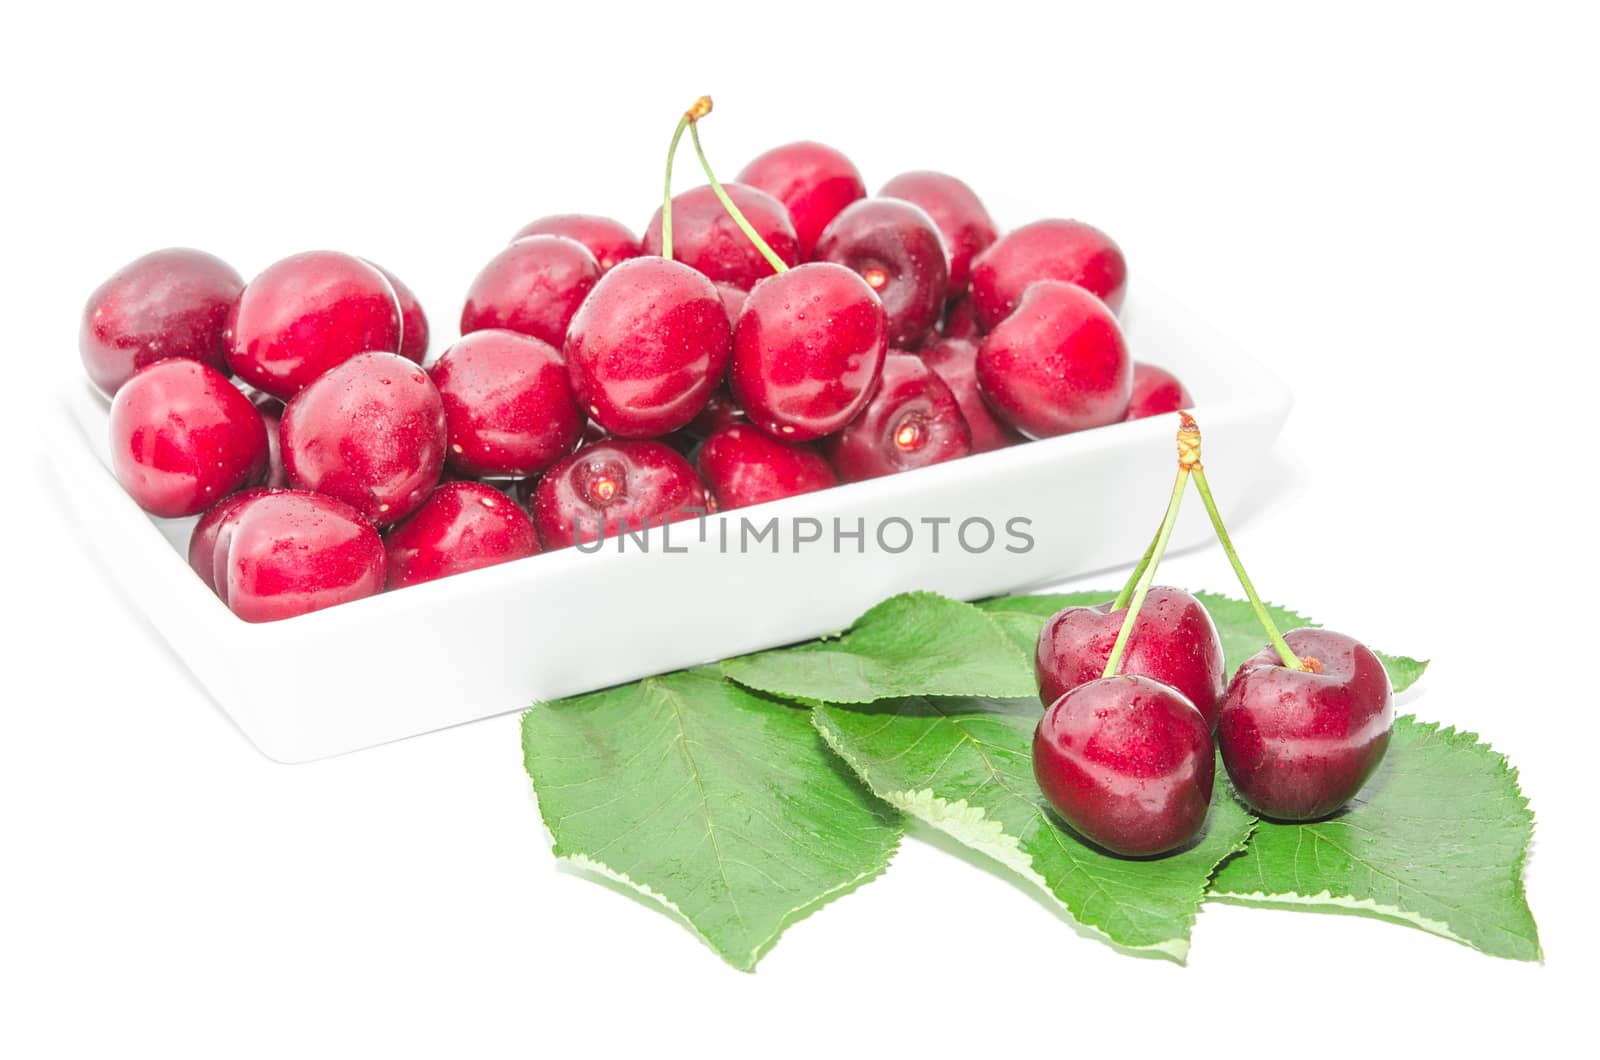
911	644
1436	839
965	767
721	805
1022	617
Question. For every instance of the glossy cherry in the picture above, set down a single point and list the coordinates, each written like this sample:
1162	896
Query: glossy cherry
309	313
371	433
508	407
648	347
732	301
960	215
1299	744
956	362
413	321
1173	641
808	348
170	303
183	437
743	466
215	525
813	181
460	527
612	485
1128	763
1069	251
271	411
611	242
720	411
1057	364
705	238
534	286
961	321
1155	391
912	420
895	247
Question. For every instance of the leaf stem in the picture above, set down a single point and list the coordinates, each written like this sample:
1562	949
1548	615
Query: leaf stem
1286	653
777	263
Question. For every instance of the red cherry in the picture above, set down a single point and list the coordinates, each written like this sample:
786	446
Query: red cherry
307	314
1070	251
911	421
1128	763
808	348
1155	390
183	437
956	362
1299	744
271	411
532	286
894	246
462	526
733	301
705	238
215	526
813	181
371	433
611	242
1173	641
956	210
612	485
744	466
647	347
413	321
508	407
172	303
1057	364
961	321
720	411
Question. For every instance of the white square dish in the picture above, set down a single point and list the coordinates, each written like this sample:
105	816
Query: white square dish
492	640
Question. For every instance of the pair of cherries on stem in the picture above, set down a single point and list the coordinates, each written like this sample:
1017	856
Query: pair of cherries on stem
1134	689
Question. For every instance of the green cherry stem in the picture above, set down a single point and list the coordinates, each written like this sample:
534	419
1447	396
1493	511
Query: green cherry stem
701	108
734	212
1286	653
1133	579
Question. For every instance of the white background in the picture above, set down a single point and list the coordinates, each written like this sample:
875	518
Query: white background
1394	207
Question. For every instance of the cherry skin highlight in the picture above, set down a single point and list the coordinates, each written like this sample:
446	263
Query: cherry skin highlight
533	286
371	433
808	348
743	466
1173	641
1057	364
611	242
413	321
508	407
1128	763
813	181
956	362
648	347
1299	744
895	247
912	420
1155	391
307	314
183	437
959	214
170	303
706	239
462	526
615	484
1069	251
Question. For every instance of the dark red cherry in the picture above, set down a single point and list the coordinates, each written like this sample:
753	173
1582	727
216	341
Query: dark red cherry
216	525
172	303
956	210
534	286
371	433
961	321
612	485
720	411
1128	763
413	321
460	527
271	410
611	242
733	301
1057	364
807	350
307	314
956	362
911	421
704	237
648	347
1069	251
1173	641
183	437
743	466
508	408
282	553
813	181
894	246
1299	744
1155	391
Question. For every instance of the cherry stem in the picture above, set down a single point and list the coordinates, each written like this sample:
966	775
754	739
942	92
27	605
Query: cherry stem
1286	653
1133	579
701	108
1148	575
734	212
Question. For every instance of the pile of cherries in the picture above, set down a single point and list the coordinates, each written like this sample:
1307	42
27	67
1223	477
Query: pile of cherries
765	338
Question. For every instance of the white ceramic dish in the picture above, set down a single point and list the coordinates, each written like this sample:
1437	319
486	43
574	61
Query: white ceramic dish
493	640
